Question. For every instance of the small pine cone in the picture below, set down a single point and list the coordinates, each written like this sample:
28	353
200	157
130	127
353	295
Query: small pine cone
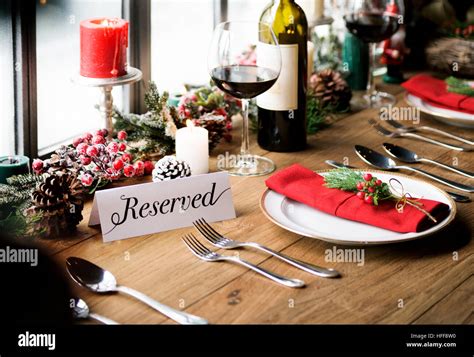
331	89
169	168
57	205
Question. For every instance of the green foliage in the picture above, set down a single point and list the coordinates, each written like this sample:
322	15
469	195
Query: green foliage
459	86
18	189
316	115
343	179
150	132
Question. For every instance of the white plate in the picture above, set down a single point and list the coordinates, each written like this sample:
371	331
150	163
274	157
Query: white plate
447	116
302	219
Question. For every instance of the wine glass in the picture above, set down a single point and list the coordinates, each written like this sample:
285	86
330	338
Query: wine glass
374	21
244	62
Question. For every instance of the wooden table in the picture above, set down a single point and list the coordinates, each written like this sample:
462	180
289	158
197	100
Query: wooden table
425	281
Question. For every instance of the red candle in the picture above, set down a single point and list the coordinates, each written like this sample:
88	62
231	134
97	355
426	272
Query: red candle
104	45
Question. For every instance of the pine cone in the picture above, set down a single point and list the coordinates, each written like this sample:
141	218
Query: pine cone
57	205
330	88
169	168
216	125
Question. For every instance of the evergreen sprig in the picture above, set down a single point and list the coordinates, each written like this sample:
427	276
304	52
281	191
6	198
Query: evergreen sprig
459	86
343	179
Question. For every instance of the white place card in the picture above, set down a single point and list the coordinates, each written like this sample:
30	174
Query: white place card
131	211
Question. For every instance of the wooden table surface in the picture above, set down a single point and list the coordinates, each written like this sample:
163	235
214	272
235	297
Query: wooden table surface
425	281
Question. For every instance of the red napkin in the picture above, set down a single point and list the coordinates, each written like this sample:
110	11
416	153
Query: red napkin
306	186
435	92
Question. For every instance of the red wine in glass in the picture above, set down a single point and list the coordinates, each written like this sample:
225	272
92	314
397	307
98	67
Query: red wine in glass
244	81
372	26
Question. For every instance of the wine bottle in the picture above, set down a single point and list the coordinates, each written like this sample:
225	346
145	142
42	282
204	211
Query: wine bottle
282	109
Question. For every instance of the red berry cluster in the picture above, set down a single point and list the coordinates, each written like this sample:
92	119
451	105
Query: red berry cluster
369	189
99	158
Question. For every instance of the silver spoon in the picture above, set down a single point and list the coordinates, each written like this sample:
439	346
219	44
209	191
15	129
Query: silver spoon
80	310
455	196
411	157
100	280
380	161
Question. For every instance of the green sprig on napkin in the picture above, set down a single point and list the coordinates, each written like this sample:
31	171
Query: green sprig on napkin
459	86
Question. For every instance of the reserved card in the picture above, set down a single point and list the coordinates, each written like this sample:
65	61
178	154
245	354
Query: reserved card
131	211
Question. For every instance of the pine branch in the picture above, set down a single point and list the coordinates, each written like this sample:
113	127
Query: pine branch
343	179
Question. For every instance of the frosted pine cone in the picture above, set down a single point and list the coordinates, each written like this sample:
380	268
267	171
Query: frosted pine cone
169	168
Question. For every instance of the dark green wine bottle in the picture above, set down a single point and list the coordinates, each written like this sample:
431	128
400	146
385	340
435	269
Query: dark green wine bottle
282	109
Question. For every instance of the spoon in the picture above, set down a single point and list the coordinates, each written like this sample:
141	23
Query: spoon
380	161
455	196
409	156
100	280
80	310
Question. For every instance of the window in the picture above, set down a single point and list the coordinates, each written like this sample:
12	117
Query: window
50	109
66	109
7	108
246	10
181	31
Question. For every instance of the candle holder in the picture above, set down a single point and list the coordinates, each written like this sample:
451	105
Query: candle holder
106	85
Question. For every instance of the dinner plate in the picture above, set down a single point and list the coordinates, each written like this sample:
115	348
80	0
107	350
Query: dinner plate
447	116
307	221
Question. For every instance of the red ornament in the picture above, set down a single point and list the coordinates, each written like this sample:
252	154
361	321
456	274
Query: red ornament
149	167
122	135
126	157
92	151
82	148
76	141
86	160
118	164
113	147
104	45
367	177
37	165
122	147
98	139
129	170
87	180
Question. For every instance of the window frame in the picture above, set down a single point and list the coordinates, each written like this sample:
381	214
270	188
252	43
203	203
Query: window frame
23	15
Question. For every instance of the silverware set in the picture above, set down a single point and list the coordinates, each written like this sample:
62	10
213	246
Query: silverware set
99	280
402	131
222	242
375	159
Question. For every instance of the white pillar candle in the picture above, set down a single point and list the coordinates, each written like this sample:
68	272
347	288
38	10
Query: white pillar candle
192	146
310	59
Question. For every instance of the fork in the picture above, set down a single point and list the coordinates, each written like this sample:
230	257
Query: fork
385	132
411	129
200	251
219	241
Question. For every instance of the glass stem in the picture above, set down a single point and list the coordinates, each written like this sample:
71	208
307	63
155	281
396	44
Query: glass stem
244	149
371	80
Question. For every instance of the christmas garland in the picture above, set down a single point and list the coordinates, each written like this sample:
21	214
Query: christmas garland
153	133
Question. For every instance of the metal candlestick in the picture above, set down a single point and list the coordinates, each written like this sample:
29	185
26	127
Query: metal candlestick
106	104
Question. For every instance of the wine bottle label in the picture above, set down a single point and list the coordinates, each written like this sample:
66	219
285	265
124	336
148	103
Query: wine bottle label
283	95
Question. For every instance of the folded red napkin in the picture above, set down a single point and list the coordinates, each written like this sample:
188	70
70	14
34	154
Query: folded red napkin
435	92
306	186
